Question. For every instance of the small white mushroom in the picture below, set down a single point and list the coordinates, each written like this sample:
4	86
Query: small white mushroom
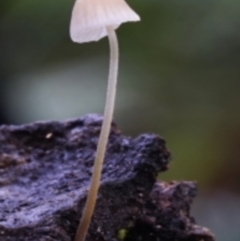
90	18
91	21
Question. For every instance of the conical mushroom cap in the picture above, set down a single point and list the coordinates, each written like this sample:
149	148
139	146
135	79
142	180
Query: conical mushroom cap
91	17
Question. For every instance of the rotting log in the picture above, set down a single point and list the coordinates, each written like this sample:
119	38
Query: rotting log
45	169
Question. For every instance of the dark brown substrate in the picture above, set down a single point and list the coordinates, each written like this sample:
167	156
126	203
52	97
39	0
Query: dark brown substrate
45	170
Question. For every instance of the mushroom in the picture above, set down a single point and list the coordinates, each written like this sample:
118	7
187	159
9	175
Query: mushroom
92	20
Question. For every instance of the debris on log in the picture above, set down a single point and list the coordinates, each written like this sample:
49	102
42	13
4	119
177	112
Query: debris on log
45	170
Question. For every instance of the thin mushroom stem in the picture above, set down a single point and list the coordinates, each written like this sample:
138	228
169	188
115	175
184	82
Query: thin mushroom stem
103	139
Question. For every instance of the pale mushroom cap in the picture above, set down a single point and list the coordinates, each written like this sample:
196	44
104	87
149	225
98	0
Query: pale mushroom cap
91	17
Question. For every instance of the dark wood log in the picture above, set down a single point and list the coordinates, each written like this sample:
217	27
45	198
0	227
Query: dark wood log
45	169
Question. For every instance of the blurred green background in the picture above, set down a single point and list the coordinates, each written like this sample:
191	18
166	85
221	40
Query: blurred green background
179	77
